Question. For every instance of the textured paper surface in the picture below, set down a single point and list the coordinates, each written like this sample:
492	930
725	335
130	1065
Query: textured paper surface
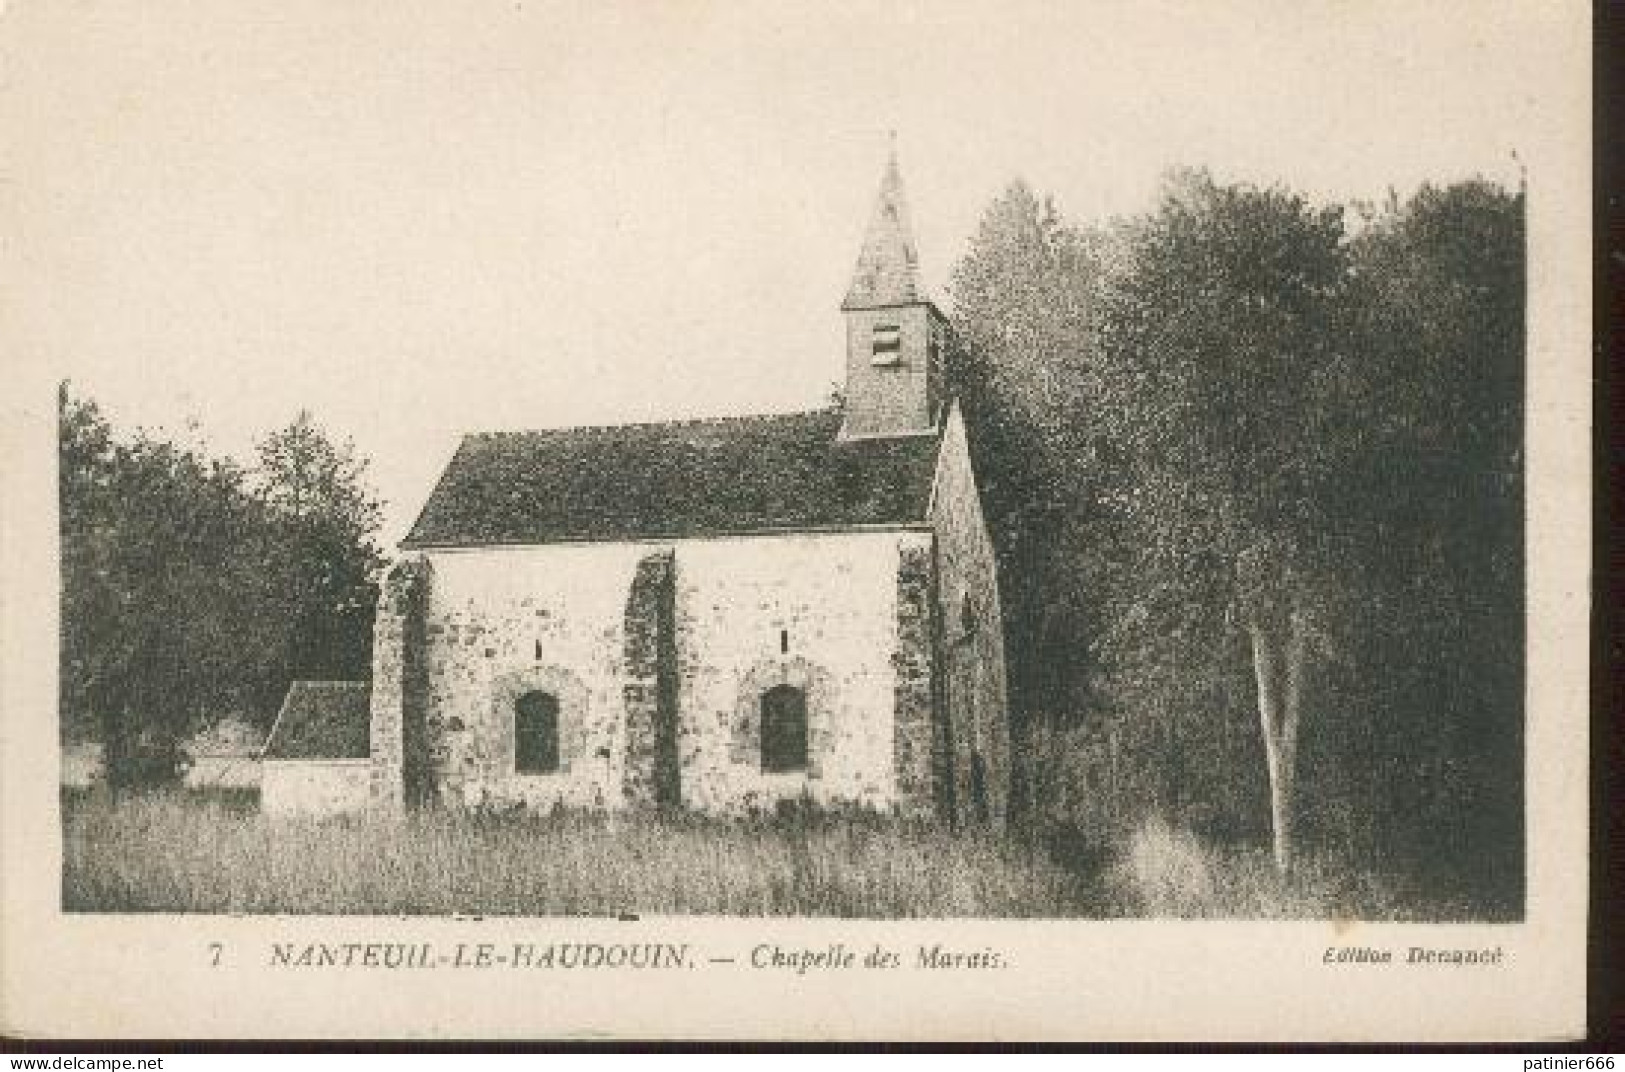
72	127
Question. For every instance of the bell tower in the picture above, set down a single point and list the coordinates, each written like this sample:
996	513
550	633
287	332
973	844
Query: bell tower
896	339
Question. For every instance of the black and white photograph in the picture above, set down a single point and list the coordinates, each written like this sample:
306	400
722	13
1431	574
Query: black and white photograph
956	465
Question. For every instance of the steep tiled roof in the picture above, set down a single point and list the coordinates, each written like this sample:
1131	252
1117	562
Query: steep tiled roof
888	270
323	720
689	478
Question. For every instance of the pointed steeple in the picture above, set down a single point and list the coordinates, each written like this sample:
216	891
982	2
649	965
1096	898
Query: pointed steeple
895	338
888	268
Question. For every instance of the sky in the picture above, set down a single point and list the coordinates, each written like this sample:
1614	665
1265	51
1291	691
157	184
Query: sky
422	219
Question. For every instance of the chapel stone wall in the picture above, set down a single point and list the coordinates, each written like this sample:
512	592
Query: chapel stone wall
817	612
916	697
504	621
659	655
975	733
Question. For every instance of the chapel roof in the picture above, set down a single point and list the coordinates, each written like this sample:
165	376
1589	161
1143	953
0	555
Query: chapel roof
684	478
323	720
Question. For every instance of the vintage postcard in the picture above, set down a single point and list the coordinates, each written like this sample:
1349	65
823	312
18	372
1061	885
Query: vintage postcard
887	521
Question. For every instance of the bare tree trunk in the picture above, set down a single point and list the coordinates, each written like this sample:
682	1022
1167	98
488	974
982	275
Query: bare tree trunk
1291	719
1278	664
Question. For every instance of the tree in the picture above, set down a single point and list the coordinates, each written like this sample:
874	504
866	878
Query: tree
1024	298
85	474
155	553
193	589
325	562
1219	379
1256	486
1435	321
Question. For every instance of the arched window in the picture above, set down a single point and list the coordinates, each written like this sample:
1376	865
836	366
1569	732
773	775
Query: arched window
536	734
784	729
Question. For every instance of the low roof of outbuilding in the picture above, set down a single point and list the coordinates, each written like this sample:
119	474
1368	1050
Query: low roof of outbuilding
323	720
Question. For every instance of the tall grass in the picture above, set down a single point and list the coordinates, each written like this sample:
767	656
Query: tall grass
176	853
1169	872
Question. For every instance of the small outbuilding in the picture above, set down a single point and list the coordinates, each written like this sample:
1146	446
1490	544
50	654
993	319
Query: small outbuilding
317	758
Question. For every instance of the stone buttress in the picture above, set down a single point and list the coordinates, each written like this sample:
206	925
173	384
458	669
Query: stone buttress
399	749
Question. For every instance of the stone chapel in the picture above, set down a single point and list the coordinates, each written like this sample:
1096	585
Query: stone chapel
724	615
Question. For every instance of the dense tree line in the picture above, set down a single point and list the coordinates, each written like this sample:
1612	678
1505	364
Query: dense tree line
195	588
1254	468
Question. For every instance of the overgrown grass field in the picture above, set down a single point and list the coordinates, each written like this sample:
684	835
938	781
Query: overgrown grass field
179	852
172	853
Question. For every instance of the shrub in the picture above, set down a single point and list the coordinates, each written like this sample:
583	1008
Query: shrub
1165	871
